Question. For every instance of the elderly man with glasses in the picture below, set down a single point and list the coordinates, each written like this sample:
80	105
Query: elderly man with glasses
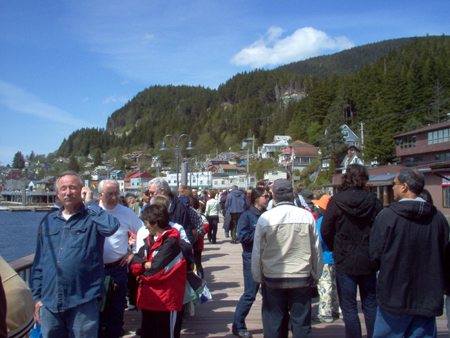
116	256
178	211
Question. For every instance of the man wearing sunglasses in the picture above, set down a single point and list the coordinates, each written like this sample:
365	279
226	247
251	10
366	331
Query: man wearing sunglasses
407	243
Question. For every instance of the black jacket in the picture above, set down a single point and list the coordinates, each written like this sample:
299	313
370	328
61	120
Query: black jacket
407	244
180	214
346	228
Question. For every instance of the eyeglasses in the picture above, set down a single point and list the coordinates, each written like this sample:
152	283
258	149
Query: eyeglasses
112	194
150	193
396	183
265	196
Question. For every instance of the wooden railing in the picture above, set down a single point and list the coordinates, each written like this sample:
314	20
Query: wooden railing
23	266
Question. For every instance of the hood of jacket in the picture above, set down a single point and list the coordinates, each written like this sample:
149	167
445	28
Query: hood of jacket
355	202
236	193
413	209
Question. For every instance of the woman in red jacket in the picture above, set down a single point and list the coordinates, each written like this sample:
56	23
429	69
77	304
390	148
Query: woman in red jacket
162	269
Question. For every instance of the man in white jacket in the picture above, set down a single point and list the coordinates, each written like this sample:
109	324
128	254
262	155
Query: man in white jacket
286	260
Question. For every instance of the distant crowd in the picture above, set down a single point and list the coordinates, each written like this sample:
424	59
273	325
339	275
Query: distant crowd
95	258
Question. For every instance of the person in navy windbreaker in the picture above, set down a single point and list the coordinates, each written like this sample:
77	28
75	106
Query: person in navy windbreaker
245	230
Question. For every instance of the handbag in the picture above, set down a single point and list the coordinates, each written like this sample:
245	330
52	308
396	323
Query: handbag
36	332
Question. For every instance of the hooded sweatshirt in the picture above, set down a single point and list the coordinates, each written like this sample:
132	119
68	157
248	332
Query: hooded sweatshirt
407	244
236	202
345	229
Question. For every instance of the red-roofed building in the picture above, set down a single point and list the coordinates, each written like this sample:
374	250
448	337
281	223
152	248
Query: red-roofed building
297	155
136	180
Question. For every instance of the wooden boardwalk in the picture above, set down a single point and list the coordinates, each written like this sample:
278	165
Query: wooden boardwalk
222	263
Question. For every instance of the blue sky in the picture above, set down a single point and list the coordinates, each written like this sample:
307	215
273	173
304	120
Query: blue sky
65	65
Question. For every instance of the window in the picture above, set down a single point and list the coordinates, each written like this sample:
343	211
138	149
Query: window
413	161
223	182
439	136
408	142
216	182
201	181
446	197
442	157
241	180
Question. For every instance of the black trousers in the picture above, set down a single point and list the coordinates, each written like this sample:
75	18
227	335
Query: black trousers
212	234
161	324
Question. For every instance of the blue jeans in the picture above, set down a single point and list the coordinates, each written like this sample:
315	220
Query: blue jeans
245	302
112	317
277	303
81	321
394	325
347	285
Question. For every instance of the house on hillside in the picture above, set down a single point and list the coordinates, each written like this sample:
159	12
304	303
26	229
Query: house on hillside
117	174
268	149
100	174
297	156
248	142
46	184
353	156
273	174
137	180
352	140
229	169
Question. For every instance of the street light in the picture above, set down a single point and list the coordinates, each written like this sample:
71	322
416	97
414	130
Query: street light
177	149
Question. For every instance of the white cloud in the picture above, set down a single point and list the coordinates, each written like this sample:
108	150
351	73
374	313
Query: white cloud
271	49
22	101
113	98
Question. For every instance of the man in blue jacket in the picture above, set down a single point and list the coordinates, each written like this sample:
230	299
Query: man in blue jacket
67	275
235	204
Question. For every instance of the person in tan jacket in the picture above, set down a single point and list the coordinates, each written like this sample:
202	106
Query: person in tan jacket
286	260
19	302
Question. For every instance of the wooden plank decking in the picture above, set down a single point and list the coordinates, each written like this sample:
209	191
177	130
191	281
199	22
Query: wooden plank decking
222	263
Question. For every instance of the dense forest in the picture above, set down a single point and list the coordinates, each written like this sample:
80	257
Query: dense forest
402	85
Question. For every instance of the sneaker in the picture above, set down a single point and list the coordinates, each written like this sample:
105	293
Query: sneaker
242	333
131	307
322	319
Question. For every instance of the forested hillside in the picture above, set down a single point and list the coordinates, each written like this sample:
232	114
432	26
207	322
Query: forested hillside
404	88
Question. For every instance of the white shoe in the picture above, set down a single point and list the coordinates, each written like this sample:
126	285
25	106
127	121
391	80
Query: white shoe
131	307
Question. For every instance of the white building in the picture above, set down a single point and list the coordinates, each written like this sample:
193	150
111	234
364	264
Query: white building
268	149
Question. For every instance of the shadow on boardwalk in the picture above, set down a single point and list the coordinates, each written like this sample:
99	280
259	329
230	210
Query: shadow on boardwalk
222	263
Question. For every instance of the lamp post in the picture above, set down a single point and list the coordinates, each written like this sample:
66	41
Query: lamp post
177	149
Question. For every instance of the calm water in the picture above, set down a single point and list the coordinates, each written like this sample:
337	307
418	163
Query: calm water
18	231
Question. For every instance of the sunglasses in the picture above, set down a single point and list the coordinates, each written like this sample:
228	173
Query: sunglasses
265	196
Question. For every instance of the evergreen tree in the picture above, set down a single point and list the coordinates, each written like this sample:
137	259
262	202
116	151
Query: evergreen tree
18	161
97	158
73	164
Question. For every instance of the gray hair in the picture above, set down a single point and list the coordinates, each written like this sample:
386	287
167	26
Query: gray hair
161	200
71	173
234	187
159	184
413	178
109	180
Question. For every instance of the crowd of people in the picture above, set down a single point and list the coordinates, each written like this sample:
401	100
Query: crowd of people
146	253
